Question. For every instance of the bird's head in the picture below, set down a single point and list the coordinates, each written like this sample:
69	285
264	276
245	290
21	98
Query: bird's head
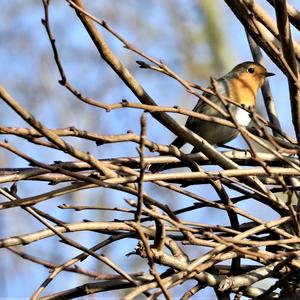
251	73
244	81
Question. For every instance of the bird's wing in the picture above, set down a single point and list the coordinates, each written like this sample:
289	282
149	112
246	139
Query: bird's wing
205	108
202	107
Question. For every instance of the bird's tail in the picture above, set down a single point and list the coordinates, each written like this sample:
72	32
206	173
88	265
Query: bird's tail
178	142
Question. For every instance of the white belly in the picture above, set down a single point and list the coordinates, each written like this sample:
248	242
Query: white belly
242	116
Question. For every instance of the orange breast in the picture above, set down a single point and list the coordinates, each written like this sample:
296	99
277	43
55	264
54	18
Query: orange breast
243	90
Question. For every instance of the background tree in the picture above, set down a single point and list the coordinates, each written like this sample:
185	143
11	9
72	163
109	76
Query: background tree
81	122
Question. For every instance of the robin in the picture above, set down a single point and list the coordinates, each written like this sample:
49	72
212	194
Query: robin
241	85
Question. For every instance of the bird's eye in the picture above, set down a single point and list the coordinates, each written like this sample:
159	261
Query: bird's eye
250	70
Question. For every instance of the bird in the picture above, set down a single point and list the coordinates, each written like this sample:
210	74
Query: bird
241	85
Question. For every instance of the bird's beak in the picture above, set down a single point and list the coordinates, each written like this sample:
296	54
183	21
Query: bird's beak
267	74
